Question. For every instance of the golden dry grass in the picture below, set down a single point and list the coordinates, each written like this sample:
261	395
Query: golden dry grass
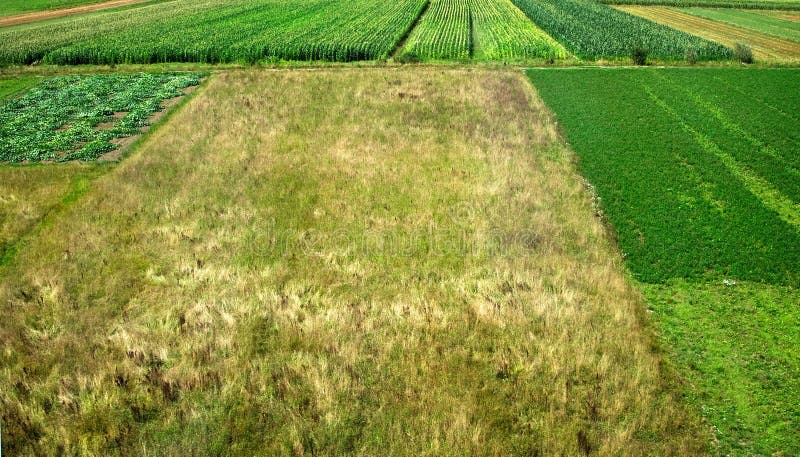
765	47
393	262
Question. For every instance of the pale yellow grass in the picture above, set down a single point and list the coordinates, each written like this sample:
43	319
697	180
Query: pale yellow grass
765	47
370	262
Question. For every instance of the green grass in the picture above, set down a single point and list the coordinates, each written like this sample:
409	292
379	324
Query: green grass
9	7
737	347
697	169
592	31
216	31
697	172
753	20
393	261
483	30
10	87
77	117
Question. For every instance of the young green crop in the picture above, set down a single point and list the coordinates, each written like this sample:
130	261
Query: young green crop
697	170
591	30
59	119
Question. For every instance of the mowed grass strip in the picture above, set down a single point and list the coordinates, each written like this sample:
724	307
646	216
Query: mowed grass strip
765	47
753	20
680	173
374	262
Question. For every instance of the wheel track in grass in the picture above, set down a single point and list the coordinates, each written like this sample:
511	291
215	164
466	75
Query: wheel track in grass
732	126
771	197
754	98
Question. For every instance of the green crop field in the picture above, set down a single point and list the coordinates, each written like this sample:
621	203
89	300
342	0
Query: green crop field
591	30
698	172
404	228
484	30
754	20
76	118
216	31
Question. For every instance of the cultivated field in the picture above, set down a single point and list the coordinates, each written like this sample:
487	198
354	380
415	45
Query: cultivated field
764	46
698	171
484	30
407	264
179	31
769	23
420	227
82	118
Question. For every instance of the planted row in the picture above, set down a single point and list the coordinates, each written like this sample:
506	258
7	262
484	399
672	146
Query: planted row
591	30
217	31
484	30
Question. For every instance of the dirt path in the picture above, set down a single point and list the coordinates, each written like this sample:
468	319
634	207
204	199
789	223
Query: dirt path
53	14
765	47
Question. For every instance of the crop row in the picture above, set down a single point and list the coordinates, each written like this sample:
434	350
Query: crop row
592	30
217	31
490	29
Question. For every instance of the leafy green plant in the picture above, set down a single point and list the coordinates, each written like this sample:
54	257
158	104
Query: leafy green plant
76	117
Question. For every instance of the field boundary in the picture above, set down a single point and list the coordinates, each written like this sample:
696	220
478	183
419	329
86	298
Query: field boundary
403	39
36	16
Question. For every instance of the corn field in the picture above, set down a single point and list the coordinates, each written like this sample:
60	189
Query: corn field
215	31
488	29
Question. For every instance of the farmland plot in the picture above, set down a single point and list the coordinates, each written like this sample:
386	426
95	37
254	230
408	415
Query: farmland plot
406	264
765	47
698	171
769	24
591	30
483	30
78	117
217	31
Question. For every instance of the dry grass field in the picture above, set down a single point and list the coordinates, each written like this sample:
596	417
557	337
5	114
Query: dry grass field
372	261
